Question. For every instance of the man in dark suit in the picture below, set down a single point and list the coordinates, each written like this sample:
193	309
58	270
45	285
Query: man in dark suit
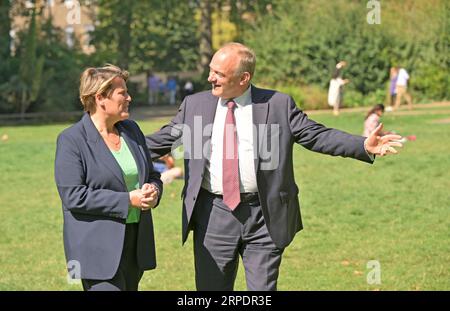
240	196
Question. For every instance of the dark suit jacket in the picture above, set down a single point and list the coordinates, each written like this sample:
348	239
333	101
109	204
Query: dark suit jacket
95	199
275	115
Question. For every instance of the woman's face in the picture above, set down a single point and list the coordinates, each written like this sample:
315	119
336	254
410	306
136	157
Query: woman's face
116	106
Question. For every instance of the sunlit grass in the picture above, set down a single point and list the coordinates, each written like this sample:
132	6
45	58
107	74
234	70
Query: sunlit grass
395	211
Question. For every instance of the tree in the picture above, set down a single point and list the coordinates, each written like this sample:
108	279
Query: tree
296	47
205	45
5	27
31	68
156	35
23	87
166	36
44	71
246	12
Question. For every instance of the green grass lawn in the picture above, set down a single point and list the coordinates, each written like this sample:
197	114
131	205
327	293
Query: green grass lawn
395	211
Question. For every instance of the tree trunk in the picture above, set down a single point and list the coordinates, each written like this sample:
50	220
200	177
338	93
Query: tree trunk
5	27
125	34
206	51
23	104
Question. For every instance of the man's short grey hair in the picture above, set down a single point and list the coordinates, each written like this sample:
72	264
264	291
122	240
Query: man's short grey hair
247	57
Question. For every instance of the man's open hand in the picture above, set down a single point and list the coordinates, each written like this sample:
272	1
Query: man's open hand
382	145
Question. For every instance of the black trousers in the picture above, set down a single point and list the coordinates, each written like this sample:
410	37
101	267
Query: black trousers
128	274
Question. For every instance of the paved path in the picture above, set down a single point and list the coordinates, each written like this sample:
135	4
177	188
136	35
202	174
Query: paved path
152	112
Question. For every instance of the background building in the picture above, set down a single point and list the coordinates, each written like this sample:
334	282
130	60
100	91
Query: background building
77	21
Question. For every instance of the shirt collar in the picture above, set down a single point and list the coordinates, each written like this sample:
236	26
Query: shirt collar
243	100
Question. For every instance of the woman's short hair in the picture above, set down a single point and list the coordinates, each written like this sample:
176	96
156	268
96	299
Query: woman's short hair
99	80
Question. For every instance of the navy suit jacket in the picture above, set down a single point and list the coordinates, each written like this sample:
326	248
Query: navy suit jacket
95	199
277	124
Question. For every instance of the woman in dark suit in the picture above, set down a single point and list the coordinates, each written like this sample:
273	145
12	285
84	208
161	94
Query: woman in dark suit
107	185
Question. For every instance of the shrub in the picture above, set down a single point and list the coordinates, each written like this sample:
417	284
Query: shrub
352	98
307	97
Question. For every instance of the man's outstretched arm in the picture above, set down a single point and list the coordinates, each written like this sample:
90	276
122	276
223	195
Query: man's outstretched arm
319	138
160	143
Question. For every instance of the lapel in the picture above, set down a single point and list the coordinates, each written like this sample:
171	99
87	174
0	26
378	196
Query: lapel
136	151
259	113
208	113
100	149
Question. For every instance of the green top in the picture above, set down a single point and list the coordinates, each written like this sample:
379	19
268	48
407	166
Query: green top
130	175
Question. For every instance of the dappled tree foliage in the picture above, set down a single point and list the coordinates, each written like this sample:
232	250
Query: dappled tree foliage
43	73
147	35
299	43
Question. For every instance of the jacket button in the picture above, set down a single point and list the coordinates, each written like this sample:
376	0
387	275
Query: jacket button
194	198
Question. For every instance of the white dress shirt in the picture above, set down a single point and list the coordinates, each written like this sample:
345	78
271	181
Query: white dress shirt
212	180
402	78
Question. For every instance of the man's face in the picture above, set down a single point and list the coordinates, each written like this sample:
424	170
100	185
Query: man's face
222	75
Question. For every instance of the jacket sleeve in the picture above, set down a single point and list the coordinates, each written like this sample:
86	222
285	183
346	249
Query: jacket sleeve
76	196
319	138
169	136
154	177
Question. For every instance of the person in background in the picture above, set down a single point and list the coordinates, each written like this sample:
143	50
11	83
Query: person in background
162	92
188	88
372	120
393	75
339	68
402	89
166	167
153	89
172	87
335	91
107	185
